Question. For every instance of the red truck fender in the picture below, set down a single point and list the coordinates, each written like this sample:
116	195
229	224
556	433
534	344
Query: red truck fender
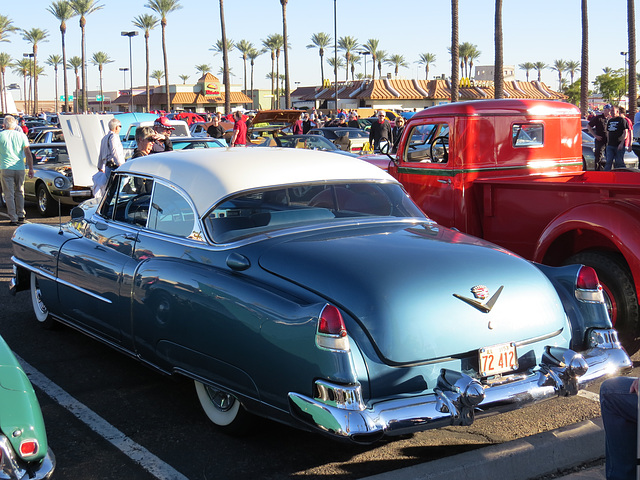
609	234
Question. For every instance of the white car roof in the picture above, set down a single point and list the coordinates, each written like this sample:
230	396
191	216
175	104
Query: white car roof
209	175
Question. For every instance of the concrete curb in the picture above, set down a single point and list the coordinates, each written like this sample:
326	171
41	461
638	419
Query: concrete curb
527	458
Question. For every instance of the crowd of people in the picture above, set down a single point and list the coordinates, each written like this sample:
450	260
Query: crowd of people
612	130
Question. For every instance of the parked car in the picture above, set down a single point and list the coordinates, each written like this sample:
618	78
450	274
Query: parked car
195	143
49	135
309	142
52	181
309	288
349	139
24	449
589	158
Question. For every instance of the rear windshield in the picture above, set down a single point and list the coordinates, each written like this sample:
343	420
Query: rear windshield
258	212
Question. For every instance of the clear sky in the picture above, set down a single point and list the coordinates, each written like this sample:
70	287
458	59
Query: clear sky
544	30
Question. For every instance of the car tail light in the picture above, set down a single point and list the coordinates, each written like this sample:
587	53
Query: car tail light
28	448
588	288
332	332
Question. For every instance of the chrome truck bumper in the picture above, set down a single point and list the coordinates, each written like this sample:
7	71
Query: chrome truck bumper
339	411
14	468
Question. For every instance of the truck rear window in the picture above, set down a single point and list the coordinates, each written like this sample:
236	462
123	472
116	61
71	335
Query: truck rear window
527	135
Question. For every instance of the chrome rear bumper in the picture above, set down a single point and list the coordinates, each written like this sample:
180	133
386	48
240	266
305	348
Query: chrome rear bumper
14	468
457	399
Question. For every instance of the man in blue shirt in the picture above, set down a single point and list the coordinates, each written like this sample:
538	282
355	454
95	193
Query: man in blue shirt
14	149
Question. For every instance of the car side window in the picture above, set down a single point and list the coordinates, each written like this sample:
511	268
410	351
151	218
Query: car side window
428	143
170	212
128	200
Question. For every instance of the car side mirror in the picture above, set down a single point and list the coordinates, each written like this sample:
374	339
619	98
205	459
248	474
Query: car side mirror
384	148
77	214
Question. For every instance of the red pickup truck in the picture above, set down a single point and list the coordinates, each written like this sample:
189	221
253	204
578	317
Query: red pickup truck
511	171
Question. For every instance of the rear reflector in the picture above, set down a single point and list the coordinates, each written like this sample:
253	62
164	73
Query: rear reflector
588	288
28	448
332	333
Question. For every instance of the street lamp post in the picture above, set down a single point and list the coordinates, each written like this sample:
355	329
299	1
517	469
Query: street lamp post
335	51
130	34
30	55
124	77
365	53
624	54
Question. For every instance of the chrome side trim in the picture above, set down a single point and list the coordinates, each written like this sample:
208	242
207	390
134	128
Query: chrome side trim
47	275
458	398
13	467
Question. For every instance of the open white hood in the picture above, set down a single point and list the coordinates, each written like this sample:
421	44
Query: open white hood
83	134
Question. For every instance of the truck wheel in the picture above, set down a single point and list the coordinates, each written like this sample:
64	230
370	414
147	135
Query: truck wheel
618	288
46	203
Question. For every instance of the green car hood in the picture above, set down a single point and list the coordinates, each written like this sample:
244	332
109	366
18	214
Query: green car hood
20	410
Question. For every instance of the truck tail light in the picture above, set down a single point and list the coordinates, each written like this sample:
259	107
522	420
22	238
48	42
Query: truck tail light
332	332
28	448
588	288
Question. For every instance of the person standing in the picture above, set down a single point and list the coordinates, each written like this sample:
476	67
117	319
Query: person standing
215	130
353	120
396	133
297	126
145	139
163	130
617	131
239	138
598	129
14	150
111	151
380	131
619	408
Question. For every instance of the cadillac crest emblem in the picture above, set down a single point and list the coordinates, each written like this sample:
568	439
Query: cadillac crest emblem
480	292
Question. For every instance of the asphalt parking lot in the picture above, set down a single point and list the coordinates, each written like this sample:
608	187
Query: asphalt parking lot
109	417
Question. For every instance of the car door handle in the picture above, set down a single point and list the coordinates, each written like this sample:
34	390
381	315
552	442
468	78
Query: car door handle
129	236
446	181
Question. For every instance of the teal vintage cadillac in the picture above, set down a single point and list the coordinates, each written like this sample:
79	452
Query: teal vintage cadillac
24	452
308	288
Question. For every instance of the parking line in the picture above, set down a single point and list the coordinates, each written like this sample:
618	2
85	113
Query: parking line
95	422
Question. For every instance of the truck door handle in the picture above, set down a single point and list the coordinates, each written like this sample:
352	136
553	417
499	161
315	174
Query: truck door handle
446	181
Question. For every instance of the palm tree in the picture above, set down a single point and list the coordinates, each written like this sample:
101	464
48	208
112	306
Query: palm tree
157	75
382	58
35	36
203	69
146	22
54	61
371	46
348	45
6	27
244	47
559	66
539	66
633	82
397	61
468	52
527	67
279	41
253	54
426	59
75	63
355	59
271	44
498	72
584	64
184	78
100	59
163	8
320	41
5	61
84	8
61	9
285	38
455	51
572	67
23	67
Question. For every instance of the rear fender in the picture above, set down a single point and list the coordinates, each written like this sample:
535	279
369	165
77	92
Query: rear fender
583	316
610	225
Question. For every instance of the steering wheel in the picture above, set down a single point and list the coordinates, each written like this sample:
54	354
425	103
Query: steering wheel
444	157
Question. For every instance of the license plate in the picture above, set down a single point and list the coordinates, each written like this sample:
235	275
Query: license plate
498	359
